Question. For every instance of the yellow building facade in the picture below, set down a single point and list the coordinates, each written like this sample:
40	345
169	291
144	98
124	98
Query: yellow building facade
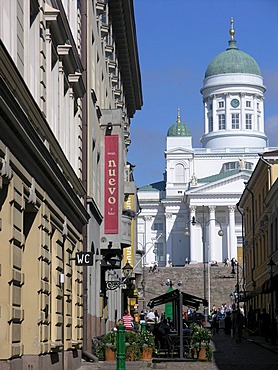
259	202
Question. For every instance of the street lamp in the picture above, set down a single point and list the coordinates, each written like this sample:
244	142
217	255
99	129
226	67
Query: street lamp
115	284
203	225
271	264
235	263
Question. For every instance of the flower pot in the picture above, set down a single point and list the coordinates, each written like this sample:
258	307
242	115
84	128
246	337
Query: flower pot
110	354
147	354
202	354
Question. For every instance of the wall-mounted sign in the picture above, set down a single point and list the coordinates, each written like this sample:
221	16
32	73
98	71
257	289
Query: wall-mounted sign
84	259
111	184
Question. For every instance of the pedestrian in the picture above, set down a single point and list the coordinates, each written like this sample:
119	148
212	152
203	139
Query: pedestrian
142	317
128	321
228	323
265	324
156	316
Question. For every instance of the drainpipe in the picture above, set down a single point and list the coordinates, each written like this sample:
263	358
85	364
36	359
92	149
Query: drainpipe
269	168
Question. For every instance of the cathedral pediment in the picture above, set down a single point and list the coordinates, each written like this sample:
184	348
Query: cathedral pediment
233	184
179	150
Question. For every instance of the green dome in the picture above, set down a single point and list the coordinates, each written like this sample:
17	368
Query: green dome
233	60
179	129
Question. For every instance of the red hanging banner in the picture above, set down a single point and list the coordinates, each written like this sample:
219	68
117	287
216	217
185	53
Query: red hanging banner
111	184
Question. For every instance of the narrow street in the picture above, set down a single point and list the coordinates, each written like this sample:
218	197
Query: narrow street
228	355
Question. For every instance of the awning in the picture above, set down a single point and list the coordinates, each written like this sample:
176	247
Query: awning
187	299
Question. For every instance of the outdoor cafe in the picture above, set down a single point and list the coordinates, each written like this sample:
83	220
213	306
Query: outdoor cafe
179	338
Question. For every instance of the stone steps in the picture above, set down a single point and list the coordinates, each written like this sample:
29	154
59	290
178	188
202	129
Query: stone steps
191	277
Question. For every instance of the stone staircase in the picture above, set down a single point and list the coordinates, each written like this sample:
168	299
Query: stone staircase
191	277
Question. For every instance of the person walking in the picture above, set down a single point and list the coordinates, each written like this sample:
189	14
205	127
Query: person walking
128	321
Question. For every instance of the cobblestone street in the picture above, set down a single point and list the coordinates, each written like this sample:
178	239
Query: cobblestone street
228	355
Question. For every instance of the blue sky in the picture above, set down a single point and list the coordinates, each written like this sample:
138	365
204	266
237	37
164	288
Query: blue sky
177	39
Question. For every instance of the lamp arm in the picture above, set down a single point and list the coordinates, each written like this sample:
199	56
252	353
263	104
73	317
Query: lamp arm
144	255
124	280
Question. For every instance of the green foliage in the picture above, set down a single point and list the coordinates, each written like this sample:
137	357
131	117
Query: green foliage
133	352
108	340
147	339
132	337
201	336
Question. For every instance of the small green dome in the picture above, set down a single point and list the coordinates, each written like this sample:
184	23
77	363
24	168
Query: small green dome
232	61
179	128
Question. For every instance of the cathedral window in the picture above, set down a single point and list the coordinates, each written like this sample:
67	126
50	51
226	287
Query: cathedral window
235	120
229	166
158	226
179	174
210	124
248	121
222	122
160	257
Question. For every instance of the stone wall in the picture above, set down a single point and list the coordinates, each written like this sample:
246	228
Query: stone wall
191	277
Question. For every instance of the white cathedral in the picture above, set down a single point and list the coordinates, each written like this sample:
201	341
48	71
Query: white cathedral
205	184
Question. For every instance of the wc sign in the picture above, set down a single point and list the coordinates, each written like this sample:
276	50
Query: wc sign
84	259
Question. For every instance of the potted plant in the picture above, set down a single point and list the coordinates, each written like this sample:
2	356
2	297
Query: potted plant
107	348
201	340
147	345
132	346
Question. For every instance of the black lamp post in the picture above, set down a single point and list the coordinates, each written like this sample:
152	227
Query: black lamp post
271	264
235	263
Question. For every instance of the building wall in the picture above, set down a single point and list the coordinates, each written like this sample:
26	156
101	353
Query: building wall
42	198
259	205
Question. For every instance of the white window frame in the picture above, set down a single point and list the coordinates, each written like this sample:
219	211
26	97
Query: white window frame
235	121
248	121
221	122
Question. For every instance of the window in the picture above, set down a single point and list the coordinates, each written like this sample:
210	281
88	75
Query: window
230	166
249	166
258	122
235	120
239	240
221	104
258	105
248	104
160	257
158	226
221	122
210	124
248	121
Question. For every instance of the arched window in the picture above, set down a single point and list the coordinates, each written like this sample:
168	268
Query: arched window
179	173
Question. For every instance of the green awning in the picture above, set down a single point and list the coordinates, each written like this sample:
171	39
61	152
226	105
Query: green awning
168	308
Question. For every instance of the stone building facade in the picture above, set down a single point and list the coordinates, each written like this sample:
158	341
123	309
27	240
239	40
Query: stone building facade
61	94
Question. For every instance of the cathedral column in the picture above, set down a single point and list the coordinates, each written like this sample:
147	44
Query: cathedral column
170	220
206	102
227	112
242	111
192	229
214	115
232	240
212	252
148	238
